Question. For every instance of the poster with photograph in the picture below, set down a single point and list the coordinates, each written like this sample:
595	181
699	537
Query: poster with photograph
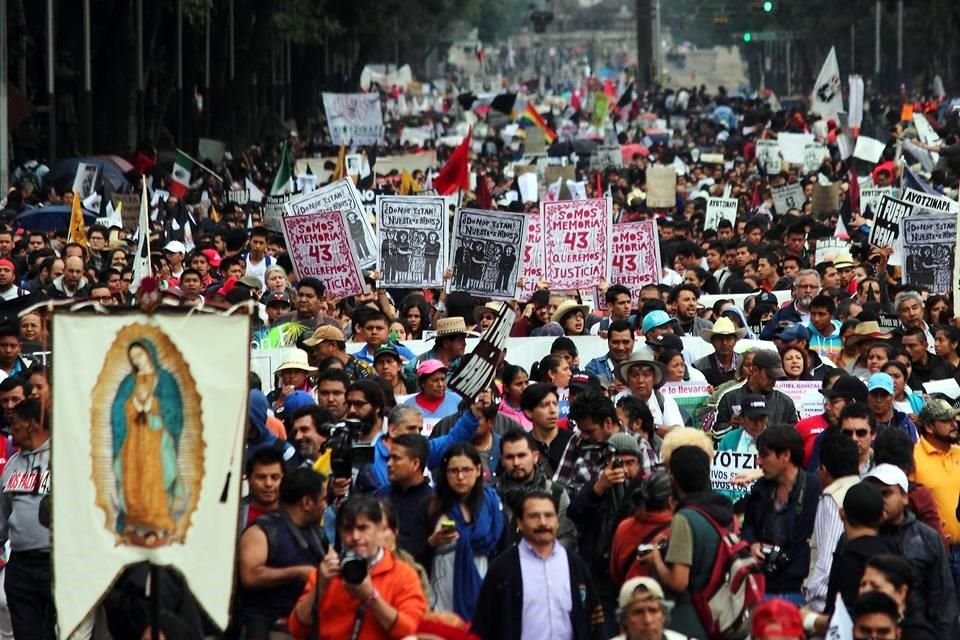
720	209
412	236
486	249
928	257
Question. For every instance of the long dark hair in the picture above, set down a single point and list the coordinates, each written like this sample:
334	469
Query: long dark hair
444	498
538	372
426	317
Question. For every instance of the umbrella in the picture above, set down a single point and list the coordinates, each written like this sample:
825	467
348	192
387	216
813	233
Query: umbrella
117	161
63	172
580	147
52	218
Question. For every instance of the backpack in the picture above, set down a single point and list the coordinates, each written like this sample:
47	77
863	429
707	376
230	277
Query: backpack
736	585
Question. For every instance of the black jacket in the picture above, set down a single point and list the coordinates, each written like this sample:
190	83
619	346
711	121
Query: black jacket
849	561
411	509
501	598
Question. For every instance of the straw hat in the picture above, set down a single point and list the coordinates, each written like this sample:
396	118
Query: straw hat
490	307
869	330
659	371
566	308
451	327
723	327
295	359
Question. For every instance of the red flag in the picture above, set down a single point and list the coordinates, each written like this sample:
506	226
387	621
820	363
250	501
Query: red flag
599	193
484	199
456	173
853	192
757	200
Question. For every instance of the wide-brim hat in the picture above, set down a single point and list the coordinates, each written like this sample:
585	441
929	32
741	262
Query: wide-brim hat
869	330
295	359
723	327
450	327
659	371
490	307
567	307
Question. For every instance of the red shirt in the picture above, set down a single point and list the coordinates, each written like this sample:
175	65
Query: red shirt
254	512
809	429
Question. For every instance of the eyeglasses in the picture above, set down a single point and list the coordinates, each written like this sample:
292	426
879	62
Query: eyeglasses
461	471
860	433
356	404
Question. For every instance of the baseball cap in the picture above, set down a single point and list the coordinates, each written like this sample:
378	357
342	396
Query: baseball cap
890	475
655	319
275	297
427	367
937	409
766	297
212	257
776	618
754	405
791	331
175	246
624	443
386	350
323	333
251	281
880	382
634	586
847	387
584	381
770	361
667	341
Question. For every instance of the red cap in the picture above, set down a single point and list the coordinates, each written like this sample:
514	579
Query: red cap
4	262
212	257
777	618
228	286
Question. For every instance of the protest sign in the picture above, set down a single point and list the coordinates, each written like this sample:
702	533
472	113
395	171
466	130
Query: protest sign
728	464
661	187
805	394
576	242
929	203
928	256
353	162
826	198
768	157
340	196
238	196
711	158
212	150
868	149
129	204
478	368
412	236
793	146
354	119
273	209
788	196
529	189
636	256
553	173
886	224
534	142
827	249
720	209
870	199
689	396
533	269
85	180
320	246
486	247
604	157
814	154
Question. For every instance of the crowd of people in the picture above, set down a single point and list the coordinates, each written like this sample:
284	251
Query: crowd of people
570	499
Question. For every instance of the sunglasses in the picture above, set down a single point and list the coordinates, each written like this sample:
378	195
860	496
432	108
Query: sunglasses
860	433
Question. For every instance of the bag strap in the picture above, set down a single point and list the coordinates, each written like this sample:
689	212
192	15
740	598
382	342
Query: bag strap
713	523
653	533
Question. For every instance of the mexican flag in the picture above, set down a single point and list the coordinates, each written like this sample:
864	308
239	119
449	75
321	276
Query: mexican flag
180	178
283	181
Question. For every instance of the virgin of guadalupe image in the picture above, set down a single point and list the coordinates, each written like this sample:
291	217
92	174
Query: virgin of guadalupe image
153	428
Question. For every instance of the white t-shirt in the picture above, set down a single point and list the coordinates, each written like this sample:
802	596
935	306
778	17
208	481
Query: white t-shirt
670	416
258	269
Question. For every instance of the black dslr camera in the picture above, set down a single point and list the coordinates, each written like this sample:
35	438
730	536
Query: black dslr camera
340	441
775	559
353	568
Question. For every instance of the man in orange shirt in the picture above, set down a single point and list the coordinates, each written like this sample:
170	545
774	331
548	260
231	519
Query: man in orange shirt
367	594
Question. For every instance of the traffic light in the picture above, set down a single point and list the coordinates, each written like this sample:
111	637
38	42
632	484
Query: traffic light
747	37
767	6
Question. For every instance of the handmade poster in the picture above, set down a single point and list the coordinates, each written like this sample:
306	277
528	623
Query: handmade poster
929	203
529	190
85	180
793	146
805	394
661	187
689	396
238	196
576	242
486	247
768	157
341	196
720	209
814	153
886	224
826	198
354	119
412	236
156	409
354	162
604	157
477	369
788	196
535	141
129	205
928	256
320	246
533	269
273	210
870	199
727	465
636	256
827	249
869	149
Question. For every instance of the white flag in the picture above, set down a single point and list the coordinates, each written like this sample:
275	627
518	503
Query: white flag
841	624
141	261
255	194
827	95
855	117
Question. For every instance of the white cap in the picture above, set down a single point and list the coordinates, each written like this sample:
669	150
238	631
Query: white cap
631	586
175	246
890	475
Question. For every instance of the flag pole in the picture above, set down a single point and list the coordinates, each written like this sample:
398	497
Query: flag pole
200	164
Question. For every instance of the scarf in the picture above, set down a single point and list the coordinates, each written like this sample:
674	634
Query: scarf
477	538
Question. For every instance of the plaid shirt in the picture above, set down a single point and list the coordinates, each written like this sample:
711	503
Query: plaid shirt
357	369
583	461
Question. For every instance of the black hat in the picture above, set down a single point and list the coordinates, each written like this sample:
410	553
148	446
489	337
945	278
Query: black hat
667	341
847	387
770	361
753	406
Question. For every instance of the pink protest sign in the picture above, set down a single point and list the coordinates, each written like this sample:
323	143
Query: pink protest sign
576	242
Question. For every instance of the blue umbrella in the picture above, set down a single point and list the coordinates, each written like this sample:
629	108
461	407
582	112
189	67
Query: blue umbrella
62	173
50	218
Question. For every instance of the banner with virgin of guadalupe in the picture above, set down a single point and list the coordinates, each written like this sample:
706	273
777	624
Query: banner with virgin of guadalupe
148	426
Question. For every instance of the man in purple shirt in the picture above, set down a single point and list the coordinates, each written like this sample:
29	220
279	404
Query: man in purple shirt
538	589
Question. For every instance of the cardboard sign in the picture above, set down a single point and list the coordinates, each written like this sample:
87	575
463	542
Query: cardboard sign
576	242
340	196
354	119
636	256
805	394
534	142
827	249
870	199
412	236
788	196
727	465
604	157
661	187
928	256
826	199
533	268
129	204
212	150
814	153
478	368
886	224
486	250
553	173
720	209
768	157
320	247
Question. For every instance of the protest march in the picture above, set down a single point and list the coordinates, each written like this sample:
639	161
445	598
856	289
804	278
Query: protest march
547	346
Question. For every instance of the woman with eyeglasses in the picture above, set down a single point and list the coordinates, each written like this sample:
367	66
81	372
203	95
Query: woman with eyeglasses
466	524
893	576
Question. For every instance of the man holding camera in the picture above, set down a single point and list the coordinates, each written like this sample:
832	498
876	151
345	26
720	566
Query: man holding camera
780	512
364	593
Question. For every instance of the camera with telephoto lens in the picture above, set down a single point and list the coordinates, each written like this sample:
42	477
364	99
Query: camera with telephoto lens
340	441
775	559
353	567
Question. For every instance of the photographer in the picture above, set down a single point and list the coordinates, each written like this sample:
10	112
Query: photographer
364	589
780	512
